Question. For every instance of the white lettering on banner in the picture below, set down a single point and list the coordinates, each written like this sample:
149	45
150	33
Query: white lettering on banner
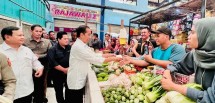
74	13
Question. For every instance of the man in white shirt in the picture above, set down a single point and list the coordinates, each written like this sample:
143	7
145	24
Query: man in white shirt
81	57
22	62
107	40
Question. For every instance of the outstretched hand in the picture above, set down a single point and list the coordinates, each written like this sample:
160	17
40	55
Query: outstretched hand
126	60
108	55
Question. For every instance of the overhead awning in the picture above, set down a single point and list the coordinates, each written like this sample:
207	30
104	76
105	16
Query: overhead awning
172	12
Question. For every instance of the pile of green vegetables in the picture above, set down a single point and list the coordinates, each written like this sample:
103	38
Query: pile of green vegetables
146	88
102	72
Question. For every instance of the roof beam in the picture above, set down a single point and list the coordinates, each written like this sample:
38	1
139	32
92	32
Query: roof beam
100	6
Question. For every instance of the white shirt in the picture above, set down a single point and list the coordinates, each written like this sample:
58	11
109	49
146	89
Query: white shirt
22	62
81	57
107	43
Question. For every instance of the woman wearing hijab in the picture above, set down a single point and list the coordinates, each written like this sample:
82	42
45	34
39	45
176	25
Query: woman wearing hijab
201	61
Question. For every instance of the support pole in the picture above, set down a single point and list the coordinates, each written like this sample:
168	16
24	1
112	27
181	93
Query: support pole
102	17
129	31
203	8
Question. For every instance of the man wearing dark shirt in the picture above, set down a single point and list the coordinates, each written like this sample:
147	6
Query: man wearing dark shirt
58	57
145	41
52	38
40	47
73	37
96	43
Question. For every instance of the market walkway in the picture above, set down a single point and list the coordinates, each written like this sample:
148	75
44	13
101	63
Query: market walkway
50	94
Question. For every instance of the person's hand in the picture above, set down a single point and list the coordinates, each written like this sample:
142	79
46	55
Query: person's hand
117	59
166	81
138	56
108	55
65	70
150	48
147	57
126	60
38	73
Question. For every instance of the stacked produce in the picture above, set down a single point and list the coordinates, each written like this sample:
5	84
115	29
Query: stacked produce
121	95
122	80
102	72
114	66
129	68
146	89
124	85
150	85
175	97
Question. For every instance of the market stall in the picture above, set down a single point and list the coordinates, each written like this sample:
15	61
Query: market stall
176	10
112	83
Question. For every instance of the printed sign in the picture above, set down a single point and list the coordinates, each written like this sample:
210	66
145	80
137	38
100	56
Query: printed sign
74	13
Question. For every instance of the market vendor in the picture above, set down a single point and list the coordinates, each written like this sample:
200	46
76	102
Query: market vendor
166	53
200	61
139	47
81	57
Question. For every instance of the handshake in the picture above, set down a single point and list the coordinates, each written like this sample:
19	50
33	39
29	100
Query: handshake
118	58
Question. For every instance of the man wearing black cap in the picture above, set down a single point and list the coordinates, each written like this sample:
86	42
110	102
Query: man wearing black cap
166	53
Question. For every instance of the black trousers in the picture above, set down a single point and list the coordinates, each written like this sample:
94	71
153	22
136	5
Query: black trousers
59	82
40	86
74	96
26	99
49	78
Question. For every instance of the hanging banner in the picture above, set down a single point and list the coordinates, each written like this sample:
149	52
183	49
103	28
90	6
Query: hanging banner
74	13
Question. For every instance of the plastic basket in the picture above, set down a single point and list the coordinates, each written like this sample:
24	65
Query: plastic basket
177	78
182	79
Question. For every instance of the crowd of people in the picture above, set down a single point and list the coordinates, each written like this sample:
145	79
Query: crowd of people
27	65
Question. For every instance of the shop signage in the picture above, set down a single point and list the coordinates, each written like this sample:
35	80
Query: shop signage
74	13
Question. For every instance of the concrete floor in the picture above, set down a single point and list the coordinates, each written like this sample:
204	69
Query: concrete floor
50	94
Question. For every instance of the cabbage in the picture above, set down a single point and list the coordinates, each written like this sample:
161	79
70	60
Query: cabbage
154	95
175	97
136	100
140	97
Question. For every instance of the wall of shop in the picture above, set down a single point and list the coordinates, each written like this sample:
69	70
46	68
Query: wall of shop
10	8
111	17
72	16
5	21
13	13
114	18
142	5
